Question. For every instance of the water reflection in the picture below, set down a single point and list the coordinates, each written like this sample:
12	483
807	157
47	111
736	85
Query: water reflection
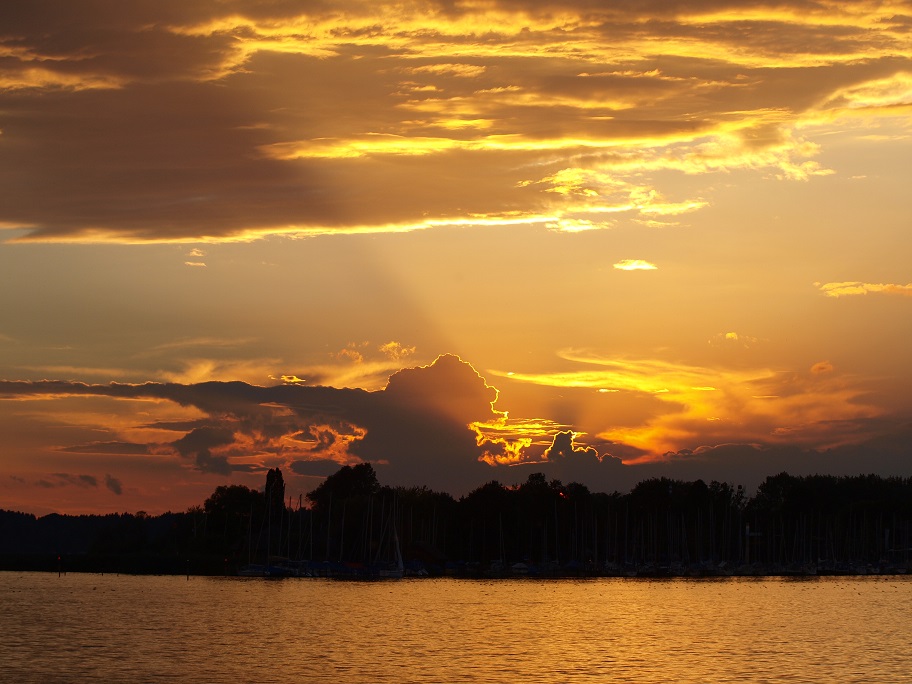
125	629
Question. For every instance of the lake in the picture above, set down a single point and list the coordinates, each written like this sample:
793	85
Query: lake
117	628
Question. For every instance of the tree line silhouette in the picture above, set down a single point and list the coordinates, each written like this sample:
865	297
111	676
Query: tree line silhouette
815	524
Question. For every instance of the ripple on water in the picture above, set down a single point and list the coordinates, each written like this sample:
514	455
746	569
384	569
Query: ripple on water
125	629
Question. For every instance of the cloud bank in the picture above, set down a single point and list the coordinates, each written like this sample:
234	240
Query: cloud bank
196	121
439	425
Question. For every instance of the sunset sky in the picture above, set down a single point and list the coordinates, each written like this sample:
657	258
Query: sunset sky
464	240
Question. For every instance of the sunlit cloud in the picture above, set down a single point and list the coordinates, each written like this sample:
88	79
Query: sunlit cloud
593	98
854	288
46	79
734	339
719	405
568	135
351	353
571	225
368	373
195	253
396	351
635	265
207	369
883	93
564	446
80	372
460	70
822	367
201	342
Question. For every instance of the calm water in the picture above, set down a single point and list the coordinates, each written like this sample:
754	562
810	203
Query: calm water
135	629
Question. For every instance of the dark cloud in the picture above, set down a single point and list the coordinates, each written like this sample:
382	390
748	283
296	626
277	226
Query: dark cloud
738	464
418	429
319	439
217	465
567	461
179	155
114	484
126	448
69	480
199	443
562	446
176	425
749	464
319	468
202	439
448	387
83	480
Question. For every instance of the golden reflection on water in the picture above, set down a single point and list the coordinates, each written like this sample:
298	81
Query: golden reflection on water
125	629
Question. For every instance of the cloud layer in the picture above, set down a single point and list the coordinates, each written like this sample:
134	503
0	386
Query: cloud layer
199	121
419	429
439	425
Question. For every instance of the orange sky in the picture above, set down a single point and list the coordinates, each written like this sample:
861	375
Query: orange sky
464	240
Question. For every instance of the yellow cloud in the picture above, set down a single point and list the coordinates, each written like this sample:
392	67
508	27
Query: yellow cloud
854	288
822	367
350	354
635	265
527	88
39	78
396	351
460	70
880	93
254	371
716	405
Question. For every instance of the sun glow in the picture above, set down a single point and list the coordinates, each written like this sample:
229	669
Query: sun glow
715	404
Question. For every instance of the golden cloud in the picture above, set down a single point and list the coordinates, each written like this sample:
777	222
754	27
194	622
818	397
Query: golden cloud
855	288
635	265
718	405
822	367
599	103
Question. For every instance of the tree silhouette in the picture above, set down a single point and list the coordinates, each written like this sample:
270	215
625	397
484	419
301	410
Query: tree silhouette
349	482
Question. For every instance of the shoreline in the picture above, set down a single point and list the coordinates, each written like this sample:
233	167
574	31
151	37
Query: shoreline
212	567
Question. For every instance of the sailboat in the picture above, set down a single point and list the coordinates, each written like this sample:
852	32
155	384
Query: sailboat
396	568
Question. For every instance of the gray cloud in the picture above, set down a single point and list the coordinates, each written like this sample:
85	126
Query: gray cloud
69	480
114	484
419	425
126	448
563	447
217	465
319	468
202	439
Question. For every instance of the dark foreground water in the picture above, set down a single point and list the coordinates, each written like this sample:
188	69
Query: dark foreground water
110	628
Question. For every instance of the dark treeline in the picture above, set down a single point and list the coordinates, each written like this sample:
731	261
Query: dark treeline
792	525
